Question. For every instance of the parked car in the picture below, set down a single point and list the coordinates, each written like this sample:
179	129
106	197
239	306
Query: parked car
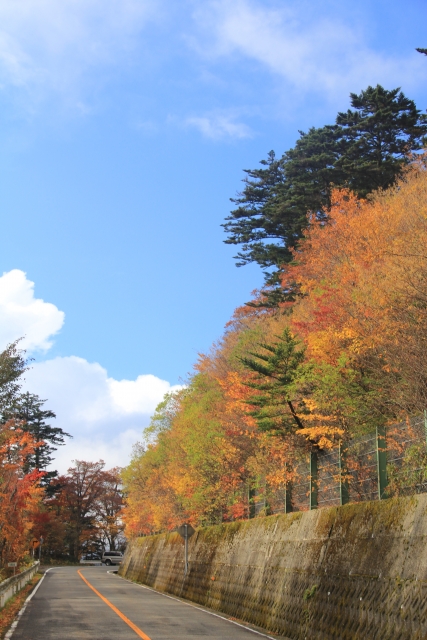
91	558
112	557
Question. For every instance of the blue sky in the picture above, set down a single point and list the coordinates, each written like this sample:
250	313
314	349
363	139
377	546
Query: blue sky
126	125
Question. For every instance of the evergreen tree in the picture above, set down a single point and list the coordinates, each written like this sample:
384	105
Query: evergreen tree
28	409
278	368
377	137
12	366
367	148
255	221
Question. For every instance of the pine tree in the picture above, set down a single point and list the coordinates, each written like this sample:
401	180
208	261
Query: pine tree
12	366
278	367
27	409
377	137
255	220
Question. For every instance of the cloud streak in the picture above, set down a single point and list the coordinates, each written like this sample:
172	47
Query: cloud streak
305	50
47	45
219	126
75	49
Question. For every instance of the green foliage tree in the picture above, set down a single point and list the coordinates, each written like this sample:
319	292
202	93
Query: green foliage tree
12	366
367	148
278	368
161	420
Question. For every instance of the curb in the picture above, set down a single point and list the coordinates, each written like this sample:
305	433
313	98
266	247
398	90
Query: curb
14	624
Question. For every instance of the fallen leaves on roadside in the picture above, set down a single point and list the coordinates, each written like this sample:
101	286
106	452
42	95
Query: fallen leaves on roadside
13	606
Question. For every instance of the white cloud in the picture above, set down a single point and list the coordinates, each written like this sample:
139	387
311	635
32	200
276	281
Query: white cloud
51	44
137	396
219	126
307	51
114	449
105	416
21	314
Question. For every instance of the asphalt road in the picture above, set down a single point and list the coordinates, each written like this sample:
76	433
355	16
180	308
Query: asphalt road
65	607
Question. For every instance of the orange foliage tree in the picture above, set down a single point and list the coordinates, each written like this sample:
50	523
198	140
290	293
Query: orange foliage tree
362	314
20	492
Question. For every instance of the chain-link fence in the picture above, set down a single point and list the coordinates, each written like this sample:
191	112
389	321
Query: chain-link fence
390	461
328	478
362	468
407	457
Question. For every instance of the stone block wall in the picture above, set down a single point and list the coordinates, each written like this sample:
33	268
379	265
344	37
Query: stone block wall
345	573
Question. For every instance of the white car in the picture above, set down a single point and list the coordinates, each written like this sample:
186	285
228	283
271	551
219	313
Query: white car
112	557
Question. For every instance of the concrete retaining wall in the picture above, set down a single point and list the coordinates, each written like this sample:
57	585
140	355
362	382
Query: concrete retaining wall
352	572
12	585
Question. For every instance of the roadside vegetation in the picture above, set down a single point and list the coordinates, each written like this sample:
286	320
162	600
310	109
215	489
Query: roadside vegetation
331	347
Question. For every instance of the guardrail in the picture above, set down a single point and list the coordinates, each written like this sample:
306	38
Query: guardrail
12	585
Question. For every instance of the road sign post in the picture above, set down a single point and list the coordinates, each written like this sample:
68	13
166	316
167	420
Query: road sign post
14	565
35	544
186	531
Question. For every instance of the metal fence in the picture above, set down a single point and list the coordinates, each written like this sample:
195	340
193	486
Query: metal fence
390	461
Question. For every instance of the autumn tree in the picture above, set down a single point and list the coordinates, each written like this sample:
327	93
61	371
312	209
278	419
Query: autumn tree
20	492
203	449
108	510
345	356
88	504
362	312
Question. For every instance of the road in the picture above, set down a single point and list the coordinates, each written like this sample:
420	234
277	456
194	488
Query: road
90	602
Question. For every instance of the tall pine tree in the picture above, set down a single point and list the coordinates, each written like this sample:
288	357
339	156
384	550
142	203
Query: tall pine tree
12	366
28	410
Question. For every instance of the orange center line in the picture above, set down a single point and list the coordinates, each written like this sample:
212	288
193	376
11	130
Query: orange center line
138	631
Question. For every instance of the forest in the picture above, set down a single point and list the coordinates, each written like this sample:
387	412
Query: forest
330	349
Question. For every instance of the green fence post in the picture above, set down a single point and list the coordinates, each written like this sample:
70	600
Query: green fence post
381	462
267	507
288	498
344	488
313	480
288	493
425	424
251	501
